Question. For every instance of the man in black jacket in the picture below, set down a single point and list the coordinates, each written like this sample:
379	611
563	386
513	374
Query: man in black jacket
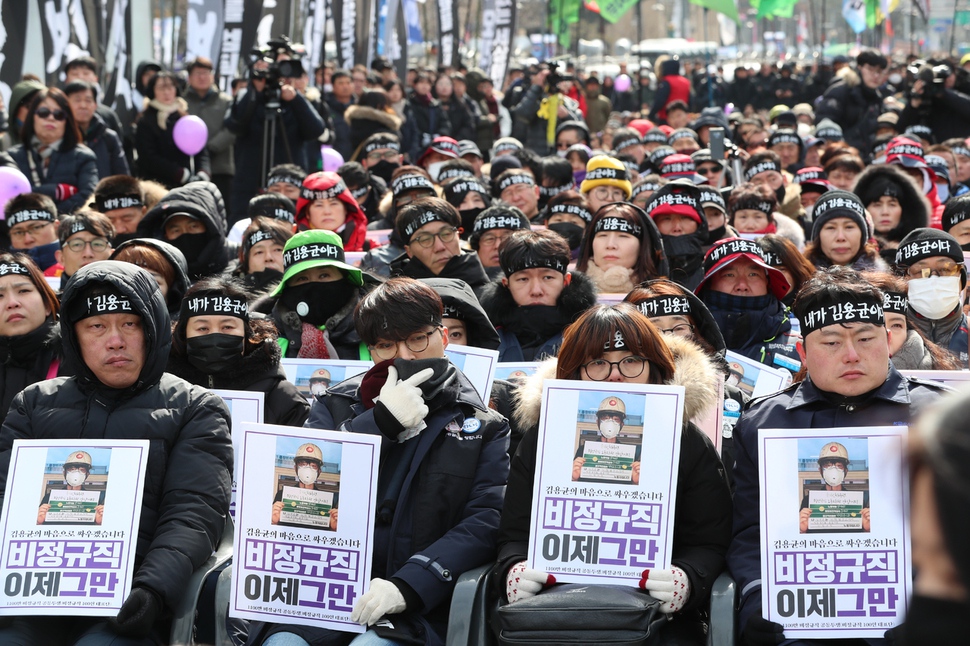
116	330
855	102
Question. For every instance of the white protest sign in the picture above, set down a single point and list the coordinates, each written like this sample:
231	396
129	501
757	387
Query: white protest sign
478	364
244	406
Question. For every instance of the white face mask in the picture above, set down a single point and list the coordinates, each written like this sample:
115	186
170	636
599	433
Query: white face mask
76	478
434	169
934	297
833	476
895	79
307	475
318	389
943	192
562	153
609	428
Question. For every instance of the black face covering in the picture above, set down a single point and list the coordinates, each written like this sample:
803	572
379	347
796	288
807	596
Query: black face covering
384	169
191	245
965	247
215	353
121	238
468	220
780	195
684	254
315	303
572	232
714	235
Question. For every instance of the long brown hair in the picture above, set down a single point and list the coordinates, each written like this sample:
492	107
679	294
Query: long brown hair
585	339
648	259
47	293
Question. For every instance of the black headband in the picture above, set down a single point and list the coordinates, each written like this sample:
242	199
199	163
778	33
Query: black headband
615	342
617	174
452	312
896	302
111	303
678	167
732	247
784	138
532	260
507	221
360	192
667	305
913	252
644	186
214	305
713	197
10	268
285	179
467	186
421	220
626	143
755	205
506	145
655	136
452	173
322	194
848	310
913	150
571	209
380	144
761	167
258	236
829	133
312	251
960	150
613	223
516	178
409	182
551	191
28	215
807	176
117	202
677	135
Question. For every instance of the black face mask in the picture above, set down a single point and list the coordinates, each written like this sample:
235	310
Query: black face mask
384	169
572	232
215	353
780	195
684	253
468	220
121	238
315	303
965	247
191	245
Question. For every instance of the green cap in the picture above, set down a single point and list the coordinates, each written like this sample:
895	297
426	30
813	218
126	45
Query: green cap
315	248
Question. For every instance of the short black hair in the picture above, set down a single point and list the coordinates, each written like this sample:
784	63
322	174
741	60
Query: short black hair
529	160
92	221
677	105
32	201
872	57
444	211
558	169
354	174
81	86
339	74
397	309
82	61
542	243
833	285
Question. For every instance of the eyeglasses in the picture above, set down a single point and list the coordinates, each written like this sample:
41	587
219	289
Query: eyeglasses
387	155
709	170
490	239
600	369
427	239
46	113
942	269
98	245
416	343
33	230
684	330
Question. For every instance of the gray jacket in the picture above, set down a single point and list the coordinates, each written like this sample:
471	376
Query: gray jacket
212	108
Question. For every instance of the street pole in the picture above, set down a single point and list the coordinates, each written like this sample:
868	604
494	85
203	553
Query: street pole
707	61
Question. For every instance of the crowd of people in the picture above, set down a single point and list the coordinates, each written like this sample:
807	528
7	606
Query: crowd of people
628	236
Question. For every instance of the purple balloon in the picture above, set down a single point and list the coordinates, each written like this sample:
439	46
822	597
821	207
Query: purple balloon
332	160
190	134
12	184
622	83
729	108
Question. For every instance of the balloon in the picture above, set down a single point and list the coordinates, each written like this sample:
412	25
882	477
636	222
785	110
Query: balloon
12	184
729	108
622	83
332	160
190	134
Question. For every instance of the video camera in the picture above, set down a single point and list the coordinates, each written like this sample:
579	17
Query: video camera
276	70
557	74
933	77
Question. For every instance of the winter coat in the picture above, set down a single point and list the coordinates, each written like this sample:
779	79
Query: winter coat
916	208
531	129
462	124
258	371
159	159
445	517
464	266
363	122
801	405
202	200
106	145
187	484
341	130
461	303
949	332
297	122
212	109
702	521
853	106
947	114
27	359
757	327
429	121
598	109
612	280
535	342
77	167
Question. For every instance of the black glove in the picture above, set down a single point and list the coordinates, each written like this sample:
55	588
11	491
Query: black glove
895	636
761	632
138	614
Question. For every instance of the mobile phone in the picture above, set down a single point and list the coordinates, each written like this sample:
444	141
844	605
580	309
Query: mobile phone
717	143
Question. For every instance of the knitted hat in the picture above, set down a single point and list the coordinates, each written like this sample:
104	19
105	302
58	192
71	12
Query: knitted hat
713	198
454	191
603	170
315	248
319	186
828	130
497	217
957	210
883	185
924	243
839	204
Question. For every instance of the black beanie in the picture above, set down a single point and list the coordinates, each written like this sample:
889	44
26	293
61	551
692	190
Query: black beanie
839	204
957	210
927	243
880	186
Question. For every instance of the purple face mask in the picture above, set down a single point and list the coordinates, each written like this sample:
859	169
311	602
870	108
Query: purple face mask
579	176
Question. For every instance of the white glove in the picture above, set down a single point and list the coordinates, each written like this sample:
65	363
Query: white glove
523	582
383	598
670	587
403	399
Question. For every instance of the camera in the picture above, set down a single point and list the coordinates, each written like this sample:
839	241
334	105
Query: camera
557	74
276	70
933	77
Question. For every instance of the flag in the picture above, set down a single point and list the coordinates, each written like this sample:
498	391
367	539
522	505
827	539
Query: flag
725	7
854	12
774	8
613	10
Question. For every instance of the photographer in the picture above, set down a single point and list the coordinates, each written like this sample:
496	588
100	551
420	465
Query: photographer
543	96
934	102
269	103
855	101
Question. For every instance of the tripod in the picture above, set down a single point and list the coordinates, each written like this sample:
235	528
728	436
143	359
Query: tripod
271	118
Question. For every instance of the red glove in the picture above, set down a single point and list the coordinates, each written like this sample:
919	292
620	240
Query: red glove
64	191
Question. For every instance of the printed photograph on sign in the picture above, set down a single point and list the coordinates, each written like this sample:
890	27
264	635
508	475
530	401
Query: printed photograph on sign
833	476
74	485
516	372
314	377
609	439
756	379
307	484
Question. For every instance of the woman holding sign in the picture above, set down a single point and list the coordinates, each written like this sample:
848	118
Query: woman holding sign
619	344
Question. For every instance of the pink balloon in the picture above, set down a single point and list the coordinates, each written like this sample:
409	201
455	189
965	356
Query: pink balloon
12	184
622	83
729	108
332	160
190	134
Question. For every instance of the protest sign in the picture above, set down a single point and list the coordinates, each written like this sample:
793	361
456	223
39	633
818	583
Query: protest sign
515	371
70	525
244	406
478	364
754	378
313	377
298	560
603	502
835	540
956	379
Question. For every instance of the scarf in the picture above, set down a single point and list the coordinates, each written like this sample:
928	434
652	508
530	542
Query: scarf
45	151
313	344
166	109
549	110
492	104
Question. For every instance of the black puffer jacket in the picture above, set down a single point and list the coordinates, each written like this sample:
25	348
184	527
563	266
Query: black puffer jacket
159	158
27	359
186	495
106	145
77	167
916	208
175	258
258	371
855	107
203	201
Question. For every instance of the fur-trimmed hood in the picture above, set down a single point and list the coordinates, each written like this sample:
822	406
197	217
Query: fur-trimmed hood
497	301
693	370
790	229
362	112
916	208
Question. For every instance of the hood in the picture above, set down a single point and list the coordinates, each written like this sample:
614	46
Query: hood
578	296
364	113
916	208
140	287
693	370
175	257
670	67
707	327
790	229
200	199
142	67
458	295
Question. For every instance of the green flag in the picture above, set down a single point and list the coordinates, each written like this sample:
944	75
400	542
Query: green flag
613	10
774	8
727	7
